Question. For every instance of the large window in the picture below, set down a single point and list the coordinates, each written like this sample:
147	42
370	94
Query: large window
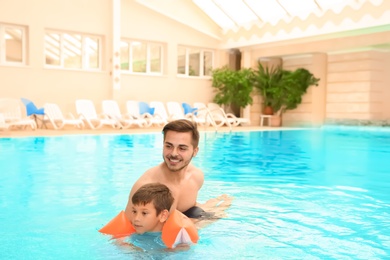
12	44
141	57
195	62
72	51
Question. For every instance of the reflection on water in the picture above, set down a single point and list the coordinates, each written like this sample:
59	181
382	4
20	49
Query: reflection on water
297	194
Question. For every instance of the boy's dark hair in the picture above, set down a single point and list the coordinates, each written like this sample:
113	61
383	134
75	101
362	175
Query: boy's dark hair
157	193
183	126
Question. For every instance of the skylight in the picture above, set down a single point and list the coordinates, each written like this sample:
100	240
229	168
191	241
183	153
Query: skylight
215	13
262	9
237	11
302	10
229	14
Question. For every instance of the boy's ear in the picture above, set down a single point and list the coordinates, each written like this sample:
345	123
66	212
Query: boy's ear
164	215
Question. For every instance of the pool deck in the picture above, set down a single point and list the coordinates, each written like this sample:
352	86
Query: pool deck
74	131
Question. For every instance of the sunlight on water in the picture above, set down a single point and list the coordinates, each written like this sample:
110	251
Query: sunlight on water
297	195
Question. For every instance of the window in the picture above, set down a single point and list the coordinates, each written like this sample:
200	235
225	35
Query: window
12	44
194	62
141	57
72	51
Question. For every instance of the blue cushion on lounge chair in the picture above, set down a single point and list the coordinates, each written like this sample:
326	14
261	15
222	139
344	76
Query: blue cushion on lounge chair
31	109
145	108
188	109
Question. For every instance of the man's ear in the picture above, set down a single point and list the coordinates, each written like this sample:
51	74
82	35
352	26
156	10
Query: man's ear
196	150
164	215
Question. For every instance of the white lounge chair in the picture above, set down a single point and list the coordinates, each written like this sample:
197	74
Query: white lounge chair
54	115
176	111
132	109
3	124
12	113
111	108
160	115
86	111
201	112
204	111
228	118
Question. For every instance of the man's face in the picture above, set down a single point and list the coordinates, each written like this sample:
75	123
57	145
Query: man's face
178	150
144	219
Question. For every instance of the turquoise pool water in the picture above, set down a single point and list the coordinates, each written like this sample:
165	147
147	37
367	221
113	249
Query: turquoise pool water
307	194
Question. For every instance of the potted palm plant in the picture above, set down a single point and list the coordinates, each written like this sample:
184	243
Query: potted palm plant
282	89
267	81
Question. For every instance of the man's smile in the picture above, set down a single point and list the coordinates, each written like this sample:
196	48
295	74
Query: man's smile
174	159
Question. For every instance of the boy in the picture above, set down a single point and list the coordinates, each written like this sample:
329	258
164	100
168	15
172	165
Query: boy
150	209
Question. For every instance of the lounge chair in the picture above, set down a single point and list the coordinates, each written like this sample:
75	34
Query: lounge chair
31	108
3	124
38	114
227	118
111	108
12	113
86	111
57	119
203	112
176	111
159	116
188	109
132	109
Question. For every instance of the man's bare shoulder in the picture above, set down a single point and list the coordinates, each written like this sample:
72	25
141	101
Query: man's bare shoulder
193	169
151	170
151	174
196	174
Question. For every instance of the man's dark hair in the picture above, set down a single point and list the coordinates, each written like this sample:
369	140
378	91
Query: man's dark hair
183	126
156	193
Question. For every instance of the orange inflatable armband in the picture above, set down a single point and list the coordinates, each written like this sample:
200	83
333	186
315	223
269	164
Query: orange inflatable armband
119	226
179	229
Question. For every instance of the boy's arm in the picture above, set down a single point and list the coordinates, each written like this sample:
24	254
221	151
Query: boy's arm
179	247
122	243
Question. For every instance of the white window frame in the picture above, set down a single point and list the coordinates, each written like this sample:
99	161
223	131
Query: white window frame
3	51
84	53
201	62
148	57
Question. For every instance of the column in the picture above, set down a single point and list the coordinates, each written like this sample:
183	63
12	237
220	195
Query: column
319	70
246	63
116	40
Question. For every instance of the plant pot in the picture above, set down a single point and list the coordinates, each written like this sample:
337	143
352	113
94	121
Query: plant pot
268	110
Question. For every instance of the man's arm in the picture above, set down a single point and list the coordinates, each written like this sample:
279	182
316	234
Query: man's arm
199	178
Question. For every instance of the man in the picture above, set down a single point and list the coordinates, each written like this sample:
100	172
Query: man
181	138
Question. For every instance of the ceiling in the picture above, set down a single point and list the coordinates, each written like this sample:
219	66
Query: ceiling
230	14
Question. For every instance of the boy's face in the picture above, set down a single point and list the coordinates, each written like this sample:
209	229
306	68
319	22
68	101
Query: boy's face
144	219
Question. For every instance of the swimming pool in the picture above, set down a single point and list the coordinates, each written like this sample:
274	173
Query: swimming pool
307	194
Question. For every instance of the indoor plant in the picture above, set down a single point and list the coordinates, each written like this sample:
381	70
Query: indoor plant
267	80
282	89
293	86
233	87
